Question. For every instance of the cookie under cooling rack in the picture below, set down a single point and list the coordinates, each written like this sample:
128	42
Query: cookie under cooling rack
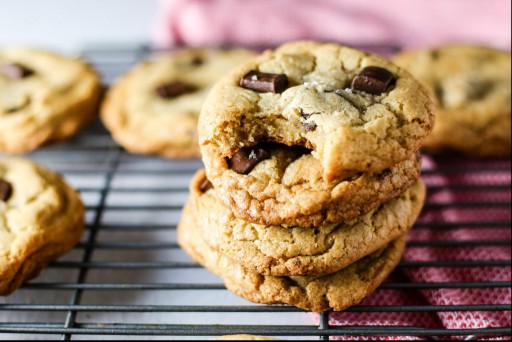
129	279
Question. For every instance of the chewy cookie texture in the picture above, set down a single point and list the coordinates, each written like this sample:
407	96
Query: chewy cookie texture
153	109
471	88
41	218
281	250
312	175
335	291
43	97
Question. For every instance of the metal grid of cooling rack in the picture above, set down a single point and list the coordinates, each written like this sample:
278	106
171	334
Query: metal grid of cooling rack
129	279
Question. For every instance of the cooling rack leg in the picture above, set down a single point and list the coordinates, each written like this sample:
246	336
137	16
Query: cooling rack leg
324	324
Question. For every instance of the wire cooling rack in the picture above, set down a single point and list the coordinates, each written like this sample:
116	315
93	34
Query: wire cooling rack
128	278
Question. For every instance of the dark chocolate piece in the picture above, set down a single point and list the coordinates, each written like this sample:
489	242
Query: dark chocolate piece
5	190
15	71
174	89
439	93
478	89
264	83
245	159
205	185
373	80
196	61
434	54
309	126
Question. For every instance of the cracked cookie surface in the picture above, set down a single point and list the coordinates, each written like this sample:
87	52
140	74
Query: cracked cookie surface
347	129
288	188
335	291
471	88
41	218
153	109
43	97
281	250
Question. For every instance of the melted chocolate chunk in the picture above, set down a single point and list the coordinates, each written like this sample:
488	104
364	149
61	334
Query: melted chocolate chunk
309	126
15	71
373	80
264	83
174	89
205	185
245	159
5	190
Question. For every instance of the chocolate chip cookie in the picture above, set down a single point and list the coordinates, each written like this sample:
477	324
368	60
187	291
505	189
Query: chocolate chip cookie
275	184
41	218
356	111
153	109
43	97
471	87
335	291
282	250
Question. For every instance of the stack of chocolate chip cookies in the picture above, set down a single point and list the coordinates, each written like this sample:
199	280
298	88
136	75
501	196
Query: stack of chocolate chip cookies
312	175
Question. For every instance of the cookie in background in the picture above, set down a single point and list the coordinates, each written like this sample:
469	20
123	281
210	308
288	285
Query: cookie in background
154	108
44	97
41	218
471	88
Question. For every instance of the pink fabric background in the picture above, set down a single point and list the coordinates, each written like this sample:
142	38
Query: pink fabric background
447	187
409	23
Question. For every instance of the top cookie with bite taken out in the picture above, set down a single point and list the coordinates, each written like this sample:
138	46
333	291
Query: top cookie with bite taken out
356	112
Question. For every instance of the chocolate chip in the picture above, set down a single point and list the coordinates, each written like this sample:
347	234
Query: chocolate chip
373	80
245	159
478	89
309	126
434	54
205	185
15	71
5	190
196	61
264	83
173	89
439	93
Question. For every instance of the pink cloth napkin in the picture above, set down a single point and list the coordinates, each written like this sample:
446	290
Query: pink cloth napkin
408	23
450	188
